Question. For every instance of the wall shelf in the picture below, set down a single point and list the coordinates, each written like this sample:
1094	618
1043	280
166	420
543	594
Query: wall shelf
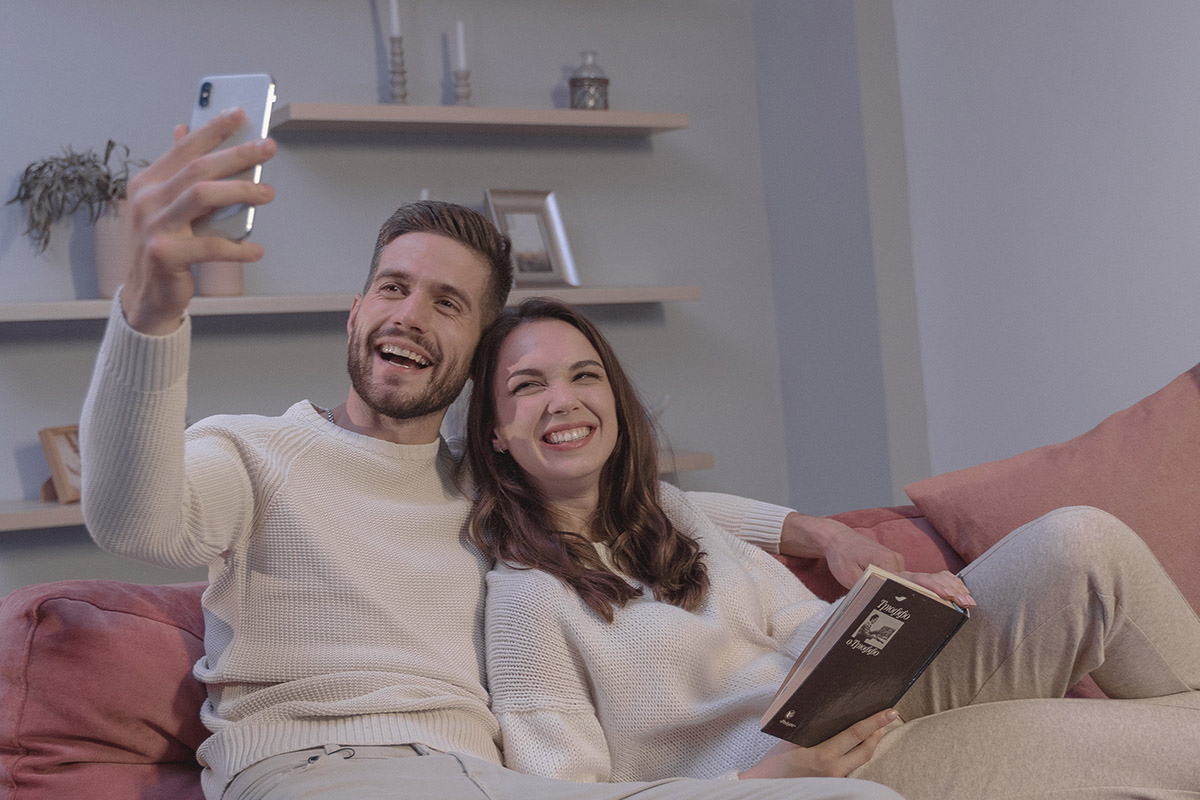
300	118
301	304
399	118
23	515
17	515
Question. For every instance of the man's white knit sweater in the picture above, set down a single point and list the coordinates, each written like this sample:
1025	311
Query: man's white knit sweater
345	602
658	692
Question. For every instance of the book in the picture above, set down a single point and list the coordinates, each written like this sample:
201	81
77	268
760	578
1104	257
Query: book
879	639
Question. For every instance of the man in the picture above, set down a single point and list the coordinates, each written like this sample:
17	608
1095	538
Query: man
343	635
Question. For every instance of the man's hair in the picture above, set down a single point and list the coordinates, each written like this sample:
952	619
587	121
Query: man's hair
512	523
463	225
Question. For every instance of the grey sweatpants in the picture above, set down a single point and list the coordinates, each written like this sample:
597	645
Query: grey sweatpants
1072	593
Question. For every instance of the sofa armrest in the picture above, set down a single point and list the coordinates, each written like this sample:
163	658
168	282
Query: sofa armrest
97	697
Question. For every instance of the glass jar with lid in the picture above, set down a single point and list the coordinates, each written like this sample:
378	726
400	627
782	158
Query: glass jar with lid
589	84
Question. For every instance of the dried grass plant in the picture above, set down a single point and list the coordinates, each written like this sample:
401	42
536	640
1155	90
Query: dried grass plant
57	187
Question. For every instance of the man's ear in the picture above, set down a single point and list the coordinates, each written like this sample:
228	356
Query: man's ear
353	315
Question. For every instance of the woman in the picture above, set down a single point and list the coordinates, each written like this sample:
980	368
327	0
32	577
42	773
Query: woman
630	639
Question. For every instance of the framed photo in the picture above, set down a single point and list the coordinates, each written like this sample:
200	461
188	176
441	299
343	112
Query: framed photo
62	454
541	255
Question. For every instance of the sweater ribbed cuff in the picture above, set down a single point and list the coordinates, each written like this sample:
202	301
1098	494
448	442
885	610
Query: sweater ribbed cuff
145	363
752	521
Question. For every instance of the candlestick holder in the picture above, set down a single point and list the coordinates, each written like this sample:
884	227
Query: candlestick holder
396	71
462	87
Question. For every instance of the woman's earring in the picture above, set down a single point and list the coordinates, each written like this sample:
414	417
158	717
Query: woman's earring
499	448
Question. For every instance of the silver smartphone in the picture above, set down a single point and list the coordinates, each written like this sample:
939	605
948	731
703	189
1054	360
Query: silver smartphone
255	94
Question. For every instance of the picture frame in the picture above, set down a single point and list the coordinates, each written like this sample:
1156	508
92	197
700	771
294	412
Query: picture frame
61	446
541	254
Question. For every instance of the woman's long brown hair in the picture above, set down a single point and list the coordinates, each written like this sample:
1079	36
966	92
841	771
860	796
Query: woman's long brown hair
512	522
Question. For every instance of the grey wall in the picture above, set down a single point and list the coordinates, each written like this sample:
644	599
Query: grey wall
1054	192
681	208
956	229
816	187
1021	178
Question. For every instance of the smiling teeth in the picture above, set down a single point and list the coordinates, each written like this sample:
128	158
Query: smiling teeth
562	437
403	352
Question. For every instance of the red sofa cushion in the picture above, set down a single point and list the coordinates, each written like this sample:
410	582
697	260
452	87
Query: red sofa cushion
902	529
1141	464
97	697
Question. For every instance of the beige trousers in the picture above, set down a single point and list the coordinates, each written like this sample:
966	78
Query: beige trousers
407	772
1072	593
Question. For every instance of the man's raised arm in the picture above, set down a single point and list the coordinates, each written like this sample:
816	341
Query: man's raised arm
138	498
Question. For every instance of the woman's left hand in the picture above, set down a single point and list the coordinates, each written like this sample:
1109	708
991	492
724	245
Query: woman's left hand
945	584
846	551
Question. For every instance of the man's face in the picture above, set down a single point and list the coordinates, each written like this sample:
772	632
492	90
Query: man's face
414	331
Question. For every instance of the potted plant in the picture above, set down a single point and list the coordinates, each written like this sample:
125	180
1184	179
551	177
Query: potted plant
58	187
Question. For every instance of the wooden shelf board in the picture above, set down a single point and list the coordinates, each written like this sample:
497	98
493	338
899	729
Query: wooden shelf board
297	304
23	515
609	295
687	461
399	118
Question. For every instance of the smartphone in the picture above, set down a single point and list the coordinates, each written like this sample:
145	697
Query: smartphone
255	94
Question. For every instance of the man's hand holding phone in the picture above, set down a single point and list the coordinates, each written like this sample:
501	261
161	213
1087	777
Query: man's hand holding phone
254	94
167	200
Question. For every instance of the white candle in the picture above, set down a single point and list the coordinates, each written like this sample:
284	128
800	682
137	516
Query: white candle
395	19
462	47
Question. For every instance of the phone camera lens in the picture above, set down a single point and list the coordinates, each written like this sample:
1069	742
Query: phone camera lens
205	93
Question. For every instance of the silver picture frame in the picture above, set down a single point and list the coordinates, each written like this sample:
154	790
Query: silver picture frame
541	254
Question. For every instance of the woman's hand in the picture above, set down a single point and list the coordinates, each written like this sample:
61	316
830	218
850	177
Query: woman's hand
846	551
944	584
836	757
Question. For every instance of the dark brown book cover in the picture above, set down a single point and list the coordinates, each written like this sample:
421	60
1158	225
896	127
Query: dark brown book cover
879	639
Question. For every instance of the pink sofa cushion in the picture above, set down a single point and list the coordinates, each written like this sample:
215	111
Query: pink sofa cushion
97	697
1141	464
902	529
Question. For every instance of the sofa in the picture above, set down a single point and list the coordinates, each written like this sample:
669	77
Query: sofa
97	698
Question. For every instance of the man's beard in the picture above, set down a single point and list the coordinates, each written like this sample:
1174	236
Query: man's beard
389	402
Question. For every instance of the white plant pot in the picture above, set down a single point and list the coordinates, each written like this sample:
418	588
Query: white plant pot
113	245
219	278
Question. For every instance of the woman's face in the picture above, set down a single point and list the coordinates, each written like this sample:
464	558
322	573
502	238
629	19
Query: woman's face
555	410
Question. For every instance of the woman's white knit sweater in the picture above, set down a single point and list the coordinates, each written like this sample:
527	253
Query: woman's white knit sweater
345	601
658	692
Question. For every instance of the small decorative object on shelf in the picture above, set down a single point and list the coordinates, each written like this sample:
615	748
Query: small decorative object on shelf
462	75
462	87
589	85
62	455
397	76
396	72
219	278
57	187
541	255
